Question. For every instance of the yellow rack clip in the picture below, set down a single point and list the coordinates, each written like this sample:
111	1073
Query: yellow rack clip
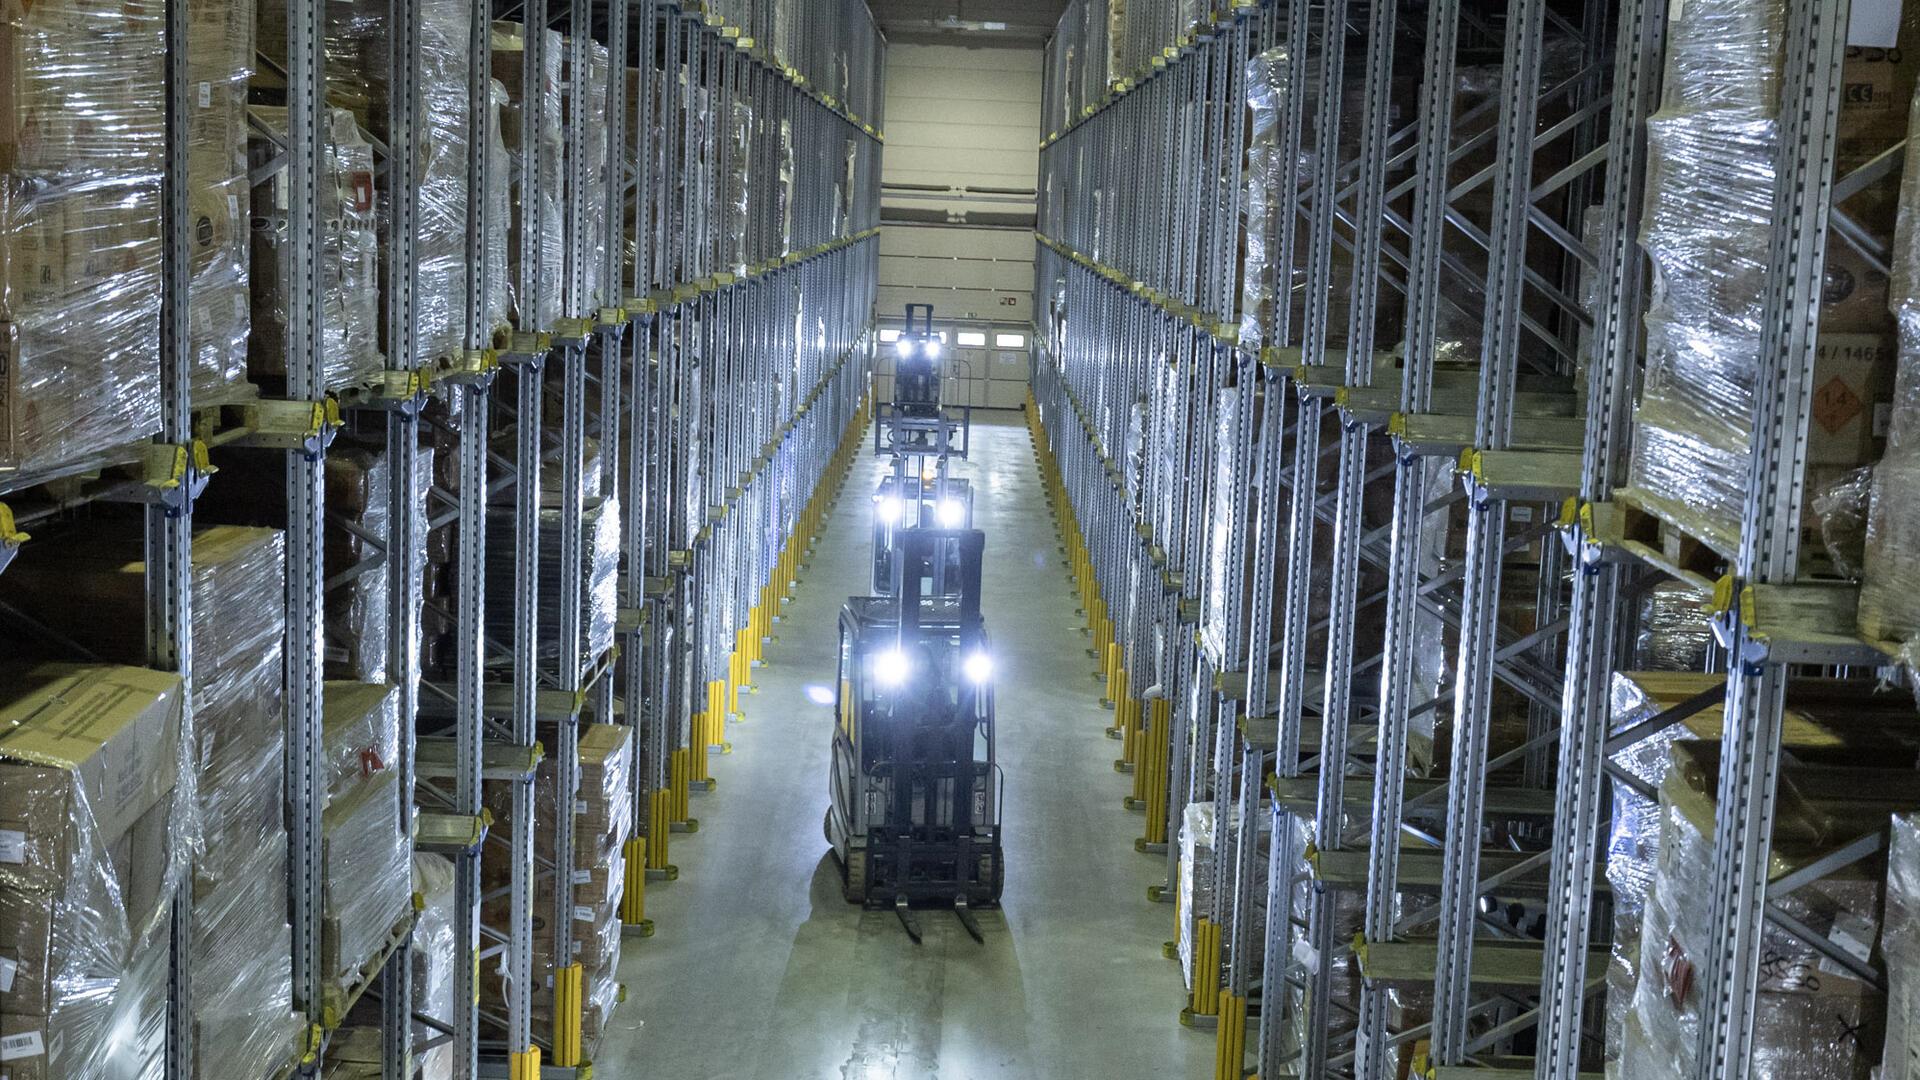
9	534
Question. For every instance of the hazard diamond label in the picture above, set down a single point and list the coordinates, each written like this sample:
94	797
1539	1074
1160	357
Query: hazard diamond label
1835	405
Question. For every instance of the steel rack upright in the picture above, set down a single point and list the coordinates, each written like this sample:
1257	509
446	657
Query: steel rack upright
751	301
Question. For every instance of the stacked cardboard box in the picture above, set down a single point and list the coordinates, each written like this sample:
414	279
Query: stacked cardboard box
1890	576
349	263
367	845
591	199
92	844
599	586
359	492
92	590
219	197
1900	944
1709	215
80	163
602	820
541	221
434	955
1816	1020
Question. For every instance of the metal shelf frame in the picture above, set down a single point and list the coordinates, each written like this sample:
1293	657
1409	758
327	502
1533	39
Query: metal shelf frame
1210	473
715	342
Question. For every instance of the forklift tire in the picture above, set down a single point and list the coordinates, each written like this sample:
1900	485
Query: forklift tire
854	886
826	826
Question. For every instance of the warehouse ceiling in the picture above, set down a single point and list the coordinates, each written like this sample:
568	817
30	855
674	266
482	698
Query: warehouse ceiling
975	23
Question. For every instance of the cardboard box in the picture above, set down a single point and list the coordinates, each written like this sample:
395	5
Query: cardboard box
366	875
119	727
112	733
1852	396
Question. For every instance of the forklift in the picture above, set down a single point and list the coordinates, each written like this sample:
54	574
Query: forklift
914	813
922	438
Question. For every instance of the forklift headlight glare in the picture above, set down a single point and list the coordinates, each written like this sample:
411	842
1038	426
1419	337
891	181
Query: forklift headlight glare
933	350
890	667
903	347
952	514
889	510
979	667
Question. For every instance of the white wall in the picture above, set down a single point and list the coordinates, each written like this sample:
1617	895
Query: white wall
962	118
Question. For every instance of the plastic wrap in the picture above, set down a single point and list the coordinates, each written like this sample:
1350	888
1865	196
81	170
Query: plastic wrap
1813	1020
244	1023
1674	634
736	186
359	492
349	261
1707	227
599	567
1194	899
361	735
604	802
1900	944
1264	282
219	197
80	164
543	220
92	589
96	815
593	194
366	878
435	956
1890	573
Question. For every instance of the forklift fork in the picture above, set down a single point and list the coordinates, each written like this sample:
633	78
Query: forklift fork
967	919
907	918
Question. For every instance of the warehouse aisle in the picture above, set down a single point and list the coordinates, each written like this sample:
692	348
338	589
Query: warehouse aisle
760	970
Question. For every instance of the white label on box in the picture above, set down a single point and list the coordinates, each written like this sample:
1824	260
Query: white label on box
1523	514
582	913
579	806
1874	24
27	1044
583	877
206	95
13	846
8	968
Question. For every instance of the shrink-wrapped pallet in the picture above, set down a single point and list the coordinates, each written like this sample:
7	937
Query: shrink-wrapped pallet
1890	574
1673	632
1815	1020
357	40
1709	220
1193	898
1271	188
96	830
435	956
591	196
367	843
349	258
219	197
359	492
81	114
534	237
1900	945
599	584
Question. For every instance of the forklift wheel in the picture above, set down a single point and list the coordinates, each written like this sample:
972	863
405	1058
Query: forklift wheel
854	887
826	825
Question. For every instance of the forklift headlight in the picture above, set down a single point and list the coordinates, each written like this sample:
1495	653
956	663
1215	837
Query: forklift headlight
890	667
933	350
903	347
888	510
978	667
952	513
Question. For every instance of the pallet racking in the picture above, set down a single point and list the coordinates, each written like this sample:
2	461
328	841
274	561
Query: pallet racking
1270	509
706	329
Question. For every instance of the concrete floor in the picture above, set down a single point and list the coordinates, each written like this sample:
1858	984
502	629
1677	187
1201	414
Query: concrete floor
760	970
